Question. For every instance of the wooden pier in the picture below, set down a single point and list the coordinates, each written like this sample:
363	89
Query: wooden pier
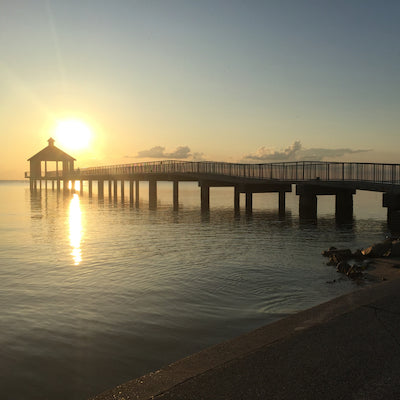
312	179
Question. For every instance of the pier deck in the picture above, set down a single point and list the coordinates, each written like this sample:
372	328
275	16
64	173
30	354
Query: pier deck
312	179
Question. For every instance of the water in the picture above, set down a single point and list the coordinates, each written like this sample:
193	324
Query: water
94	293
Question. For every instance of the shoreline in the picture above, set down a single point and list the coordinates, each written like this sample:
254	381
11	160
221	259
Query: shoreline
230	364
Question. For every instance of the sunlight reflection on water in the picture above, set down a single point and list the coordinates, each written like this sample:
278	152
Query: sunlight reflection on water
75	229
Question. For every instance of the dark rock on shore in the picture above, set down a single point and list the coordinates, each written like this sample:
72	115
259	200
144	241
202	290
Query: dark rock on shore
341	257
394	251
333	251
354	272
377	249
343	267
336	256
358	255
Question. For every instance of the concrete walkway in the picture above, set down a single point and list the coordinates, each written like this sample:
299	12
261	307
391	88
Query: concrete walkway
347	348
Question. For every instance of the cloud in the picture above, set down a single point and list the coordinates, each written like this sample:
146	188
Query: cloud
265	154
154	152
318	154
198	157
180	153
296	152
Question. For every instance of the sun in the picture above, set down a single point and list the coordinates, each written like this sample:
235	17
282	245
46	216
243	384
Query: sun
73	134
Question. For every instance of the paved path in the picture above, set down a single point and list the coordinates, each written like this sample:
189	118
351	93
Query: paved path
347	348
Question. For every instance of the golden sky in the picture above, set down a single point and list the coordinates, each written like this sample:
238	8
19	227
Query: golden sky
215	80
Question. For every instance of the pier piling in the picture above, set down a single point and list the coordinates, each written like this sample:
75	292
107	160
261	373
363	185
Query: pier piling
137	184
131	192
153	194
100	188
122	190
249	202
282	203
175	195
115	190
205	197
236	200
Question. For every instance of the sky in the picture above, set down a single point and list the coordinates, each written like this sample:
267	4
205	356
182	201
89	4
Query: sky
236	81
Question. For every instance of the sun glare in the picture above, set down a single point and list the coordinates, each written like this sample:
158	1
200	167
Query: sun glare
73	134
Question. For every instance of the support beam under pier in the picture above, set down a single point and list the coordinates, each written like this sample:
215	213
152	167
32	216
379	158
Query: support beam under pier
282	203
100	188
236	200
344	205
249	202
308	206
308	200
391	200
115	190
153	194
205	197
249	189
175	195
131	192
137	193
122	191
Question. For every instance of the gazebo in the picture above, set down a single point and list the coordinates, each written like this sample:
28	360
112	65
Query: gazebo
50	154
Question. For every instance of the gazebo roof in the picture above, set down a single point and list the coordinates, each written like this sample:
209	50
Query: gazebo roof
51	153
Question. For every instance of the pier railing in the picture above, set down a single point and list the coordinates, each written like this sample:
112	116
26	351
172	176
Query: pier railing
285	171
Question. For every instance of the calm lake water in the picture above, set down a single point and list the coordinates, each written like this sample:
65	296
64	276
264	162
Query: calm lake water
94	293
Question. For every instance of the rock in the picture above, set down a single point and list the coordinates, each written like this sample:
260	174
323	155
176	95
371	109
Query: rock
358	255
332	261
354	272
377	249
363	266
342	254
395	249
387	253
343	267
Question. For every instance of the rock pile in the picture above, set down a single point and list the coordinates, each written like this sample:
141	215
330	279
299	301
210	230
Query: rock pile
341	258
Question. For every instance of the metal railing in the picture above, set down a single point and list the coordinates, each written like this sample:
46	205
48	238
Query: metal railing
286	171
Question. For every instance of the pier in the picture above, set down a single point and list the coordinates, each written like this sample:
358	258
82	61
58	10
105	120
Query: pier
311	178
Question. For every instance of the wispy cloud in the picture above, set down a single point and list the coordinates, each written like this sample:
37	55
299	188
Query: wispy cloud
266	154
318	154
180	153
198	156
296	152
